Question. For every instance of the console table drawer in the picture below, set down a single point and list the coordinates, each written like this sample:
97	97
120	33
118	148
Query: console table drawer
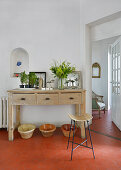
24	99
47	99
70	98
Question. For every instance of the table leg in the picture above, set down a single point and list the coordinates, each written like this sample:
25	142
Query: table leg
17	115
77	110
82	130
83	105
81	125
10	120
83	111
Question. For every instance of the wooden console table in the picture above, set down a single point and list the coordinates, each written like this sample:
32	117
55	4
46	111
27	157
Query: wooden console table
43	97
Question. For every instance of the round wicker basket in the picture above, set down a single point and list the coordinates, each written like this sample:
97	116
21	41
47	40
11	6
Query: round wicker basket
66	128
47	129
26	130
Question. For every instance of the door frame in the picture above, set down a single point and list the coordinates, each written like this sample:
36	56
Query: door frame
87	72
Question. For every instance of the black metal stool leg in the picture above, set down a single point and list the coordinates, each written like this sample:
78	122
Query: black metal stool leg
69	134
73	141
85	133
90	139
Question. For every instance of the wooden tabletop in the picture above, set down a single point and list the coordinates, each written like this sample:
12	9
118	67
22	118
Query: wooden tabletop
19	90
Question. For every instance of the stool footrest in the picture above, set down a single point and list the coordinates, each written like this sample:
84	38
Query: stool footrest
81	144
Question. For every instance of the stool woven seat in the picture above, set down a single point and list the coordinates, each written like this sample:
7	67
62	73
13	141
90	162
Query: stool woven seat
82	117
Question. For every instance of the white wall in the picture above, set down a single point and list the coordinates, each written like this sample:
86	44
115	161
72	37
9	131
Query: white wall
96	9
49	30
106	30
100	55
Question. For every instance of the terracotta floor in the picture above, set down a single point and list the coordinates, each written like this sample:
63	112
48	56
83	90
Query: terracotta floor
104	124
39	153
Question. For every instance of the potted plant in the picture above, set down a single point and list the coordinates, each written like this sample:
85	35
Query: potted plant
27	81
22	79
37	83
32	79
61	71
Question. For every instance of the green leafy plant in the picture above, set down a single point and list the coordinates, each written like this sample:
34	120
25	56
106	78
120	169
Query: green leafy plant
27	79
32	78
23	77
62	70
37	82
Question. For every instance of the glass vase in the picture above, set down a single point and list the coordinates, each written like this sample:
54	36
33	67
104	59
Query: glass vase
61	83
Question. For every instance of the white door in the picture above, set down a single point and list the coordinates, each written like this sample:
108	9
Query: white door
116	81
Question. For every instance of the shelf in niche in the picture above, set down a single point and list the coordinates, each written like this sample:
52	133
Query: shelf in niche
19	62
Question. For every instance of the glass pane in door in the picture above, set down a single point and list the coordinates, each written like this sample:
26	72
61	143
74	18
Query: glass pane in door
116	69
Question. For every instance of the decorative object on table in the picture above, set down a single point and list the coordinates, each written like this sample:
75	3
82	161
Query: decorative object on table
61	82
23	79
19	62
41	75
26	130
47	130
96	70
66	128
40	83
67	83
61	71
73	80
50	84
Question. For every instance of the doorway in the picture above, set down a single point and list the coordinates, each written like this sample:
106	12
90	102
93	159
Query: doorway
106	53
102	56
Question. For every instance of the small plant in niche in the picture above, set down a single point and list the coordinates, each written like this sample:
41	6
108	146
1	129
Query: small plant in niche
61	71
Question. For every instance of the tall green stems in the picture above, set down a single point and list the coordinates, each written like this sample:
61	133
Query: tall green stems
60	83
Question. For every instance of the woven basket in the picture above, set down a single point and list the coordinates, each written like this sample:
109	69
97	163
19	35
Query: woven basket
66	128
47	129
26	130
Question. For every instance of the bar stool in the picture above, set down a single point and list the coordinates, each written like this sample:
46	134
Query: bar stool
80	118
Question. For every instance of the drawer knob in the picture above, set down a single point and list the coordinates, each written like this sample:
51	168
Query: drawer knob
23	98
47	98
71	98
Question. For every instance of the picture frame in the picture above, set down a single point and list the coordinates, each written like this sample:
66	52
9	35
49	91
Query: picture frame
43	76
96	70
73	80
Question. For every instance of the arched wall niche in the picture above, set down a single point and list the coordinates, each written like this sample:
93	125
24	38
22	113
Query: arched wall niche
19	62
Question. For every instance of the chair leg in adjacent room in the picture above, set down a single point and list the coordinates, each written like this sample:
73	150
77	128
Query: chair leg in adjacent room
99	113
104	110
